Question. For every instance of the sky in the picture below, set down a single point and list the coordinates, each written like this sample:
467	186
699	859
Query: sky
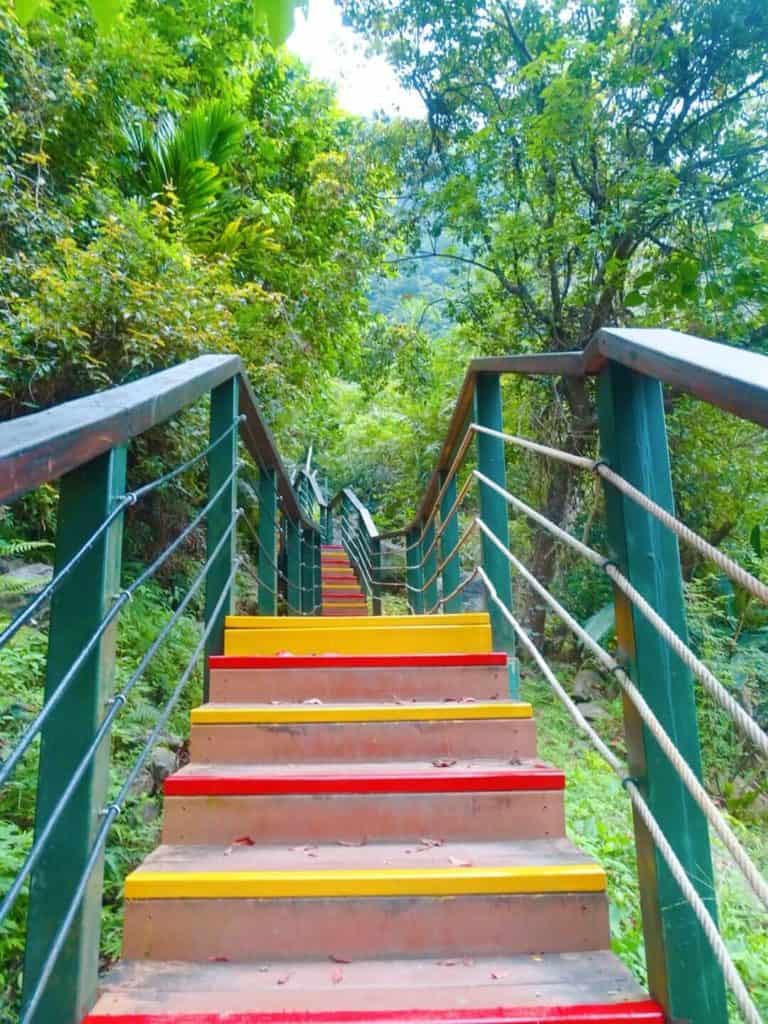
365	85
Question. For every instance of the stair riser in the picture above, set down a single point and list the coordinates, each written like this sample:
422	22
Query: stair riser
354	741
344	613
354	817
356	928
359	684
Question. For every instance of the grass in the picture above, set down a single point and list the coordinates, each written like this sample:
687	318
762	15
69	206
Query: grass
599	820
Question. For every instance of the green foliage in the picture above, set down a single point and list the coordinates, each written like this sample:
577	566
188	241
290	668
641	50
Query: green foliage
136	832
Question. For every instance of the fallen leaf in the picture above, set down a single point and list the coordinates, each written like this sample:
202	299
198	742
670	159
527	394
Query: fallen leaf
219	959
499	975
263	969
285	978
244	841
535	956
350	842
337	975
458	863
228	850
339	959
312	700
447	963
443	763
428	843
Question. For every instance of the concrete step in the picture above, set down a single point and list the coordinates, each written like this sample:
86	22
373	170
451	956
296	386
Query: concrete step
350	741
379	900
376	636
350	678
326	803
574	988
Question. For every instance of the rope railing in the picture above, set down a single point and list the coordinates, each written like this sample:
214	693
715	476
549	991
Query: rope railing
730	973
709	681
736	572
687	775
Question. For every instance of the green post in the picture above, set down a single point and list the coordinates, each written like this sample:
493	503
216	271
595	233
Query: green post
414	574
87	496
221	463
267	542
328	524
317	541
682	971
449	538
494	513
307	571
430	569
293	566
376	574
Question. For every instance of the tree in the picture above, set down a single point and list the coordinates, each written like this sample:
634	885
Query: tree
591	159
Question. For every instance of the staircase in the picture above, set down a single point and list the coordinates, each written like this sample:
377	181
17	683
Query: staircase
342	595
364	833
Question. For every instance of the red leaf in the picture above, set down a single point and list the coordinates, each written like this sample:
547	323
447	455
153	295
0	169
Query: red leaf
244	841
219	959
443	763
339	959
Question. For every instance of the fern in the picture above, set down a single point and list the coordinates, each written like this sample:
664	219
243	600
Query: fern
13	548
14	585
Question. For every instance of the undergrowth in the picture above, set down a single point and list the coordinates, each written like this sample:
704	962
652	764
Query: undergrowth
136	830
599	820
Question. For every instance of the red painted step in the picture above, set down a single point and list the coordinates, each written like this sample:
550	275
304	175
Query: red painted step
585	988
372	778
357	661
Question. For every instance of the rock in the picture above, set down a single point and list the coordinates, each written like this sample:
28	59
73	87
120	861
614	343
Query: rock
587	685
150	811
33	576
592	710
473	596
161	764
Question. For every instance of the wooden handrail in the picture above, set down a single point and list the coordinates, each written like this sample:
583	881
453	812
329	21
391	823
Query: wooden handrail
722	375
44	446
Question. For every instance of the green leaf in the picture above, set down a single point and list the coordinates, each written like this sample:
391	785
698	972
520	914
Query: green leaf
601	623
756	540
277	18
634	299
106	12
26	10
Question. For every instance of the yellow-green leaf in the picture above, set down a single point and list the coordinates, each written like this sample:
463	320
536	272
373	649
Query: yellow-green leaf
277	17
26	10
106	12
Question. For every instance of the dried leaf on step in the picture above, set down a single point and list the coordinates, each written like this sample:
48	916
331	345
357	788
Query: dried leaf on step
467	700
244	841
339	959
427	843
447	963
337	975
285	978
536	956
263	969
228	850
350	842
312	700
218	959
458	863
499	975
443	762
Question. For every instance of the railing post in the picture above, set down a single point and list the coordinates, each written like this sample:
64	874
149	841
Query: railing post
682	971
449	538
87	497
430	568
317	542
307	571
414	574
494	513
222	462
376	574
293	565
267	542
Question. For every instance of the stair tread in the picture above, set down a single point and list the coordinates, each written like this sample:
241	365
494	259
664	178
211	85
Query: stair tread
406	776
322	986
514	853
252	712
395	661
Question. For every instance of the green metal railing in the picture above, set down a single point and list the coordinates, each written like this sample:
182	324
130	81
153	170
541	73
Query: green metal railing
83	446
686	958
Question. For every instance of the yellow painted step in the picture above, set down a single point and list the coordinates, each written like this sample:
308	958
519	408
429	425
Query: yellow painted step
382	621
159	885
429	711
329	637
